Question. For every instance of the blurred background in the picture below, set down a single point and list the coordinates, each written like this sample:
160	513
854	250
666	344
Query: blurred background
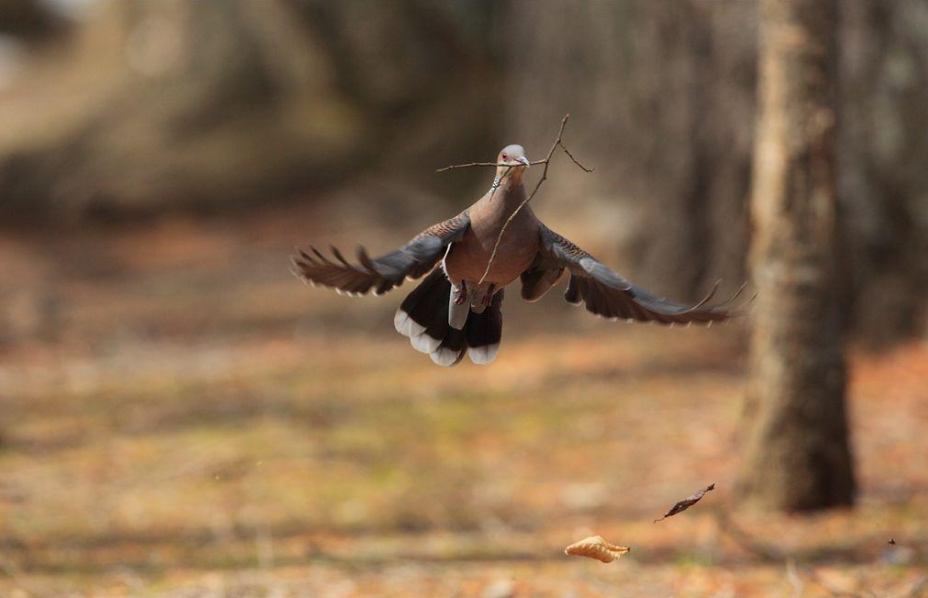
179	416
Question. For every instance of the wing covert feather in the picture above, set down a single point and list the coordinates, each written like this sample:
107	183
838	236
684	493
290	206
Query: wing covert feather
606	294
381	274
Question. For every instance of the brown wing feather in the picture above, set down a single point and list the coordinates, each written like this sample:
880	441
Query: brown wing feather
379	275
607	294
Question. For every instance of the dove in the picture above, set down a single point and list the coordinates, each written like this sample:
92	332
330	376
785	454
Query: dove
456	309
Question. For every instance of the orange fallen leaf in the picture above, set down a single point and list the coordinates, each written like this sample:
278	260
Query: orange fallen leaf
595	547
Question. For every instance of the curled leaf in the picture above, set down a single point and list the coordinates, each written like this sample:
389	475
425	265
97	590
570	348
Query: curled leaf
686	503
595	547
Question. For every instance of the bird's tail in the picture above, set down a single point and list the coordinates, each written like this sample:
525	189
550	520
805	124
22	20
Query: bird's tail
423	318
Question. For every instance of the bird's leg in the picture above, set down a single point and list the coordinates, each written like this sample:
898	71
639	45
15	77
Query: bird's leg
460	293
488	296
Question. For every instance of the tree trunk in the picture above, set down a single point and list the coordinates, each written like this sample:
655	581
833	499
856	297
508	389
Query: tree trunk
797	455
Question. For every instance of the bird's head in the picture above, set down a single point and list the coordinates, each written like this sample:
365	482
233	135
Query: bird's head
513	156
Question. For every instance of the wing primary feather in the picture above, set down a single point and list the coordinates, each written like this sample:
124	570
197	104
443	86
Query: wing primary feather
365	259
708	297
737	294
379	275
607	294
338	255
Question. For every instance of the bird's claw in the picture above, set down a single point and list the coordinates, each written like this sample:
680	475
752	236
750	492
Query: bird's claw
460	294
487	298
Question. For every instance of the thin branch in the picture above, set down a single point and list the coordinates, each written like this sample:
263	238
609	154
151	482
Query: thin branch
544	176
495	165
575	161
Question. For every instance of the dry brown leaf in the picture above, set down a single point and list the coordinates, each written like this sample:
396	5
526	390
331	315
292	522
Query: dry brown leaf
595	547
686	503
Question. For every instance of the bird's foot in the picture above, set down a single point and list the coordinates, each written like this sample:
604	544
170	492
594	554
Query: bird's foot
460	294
488	296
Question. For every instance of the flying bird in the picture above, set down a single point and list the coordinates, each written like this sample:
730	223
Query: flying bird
456	309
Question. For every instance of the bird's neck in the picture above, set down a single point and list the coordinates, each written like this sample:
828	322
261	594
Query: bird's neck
508	176
505	195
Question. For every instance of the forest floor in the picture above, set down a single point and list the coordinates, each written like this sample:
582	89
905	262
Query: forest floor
180	417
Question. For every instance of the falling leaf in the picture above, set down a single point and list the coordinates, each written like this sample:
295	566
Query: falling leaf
686	503
595	547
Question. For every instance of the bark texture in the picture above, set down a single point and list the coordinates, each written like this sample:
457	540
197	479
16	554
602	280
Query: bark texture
797	455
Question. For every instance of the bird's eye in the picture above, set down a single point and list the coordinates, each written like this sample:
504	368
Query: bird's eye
505	157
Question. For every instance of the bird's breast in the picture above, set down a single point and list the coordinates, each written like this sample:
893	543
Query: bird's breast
468	259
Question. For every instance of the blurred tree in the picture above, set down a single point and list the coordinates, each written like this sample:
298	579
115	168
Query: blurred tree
798	455
151	106
162	105
29	19
883	149
662	96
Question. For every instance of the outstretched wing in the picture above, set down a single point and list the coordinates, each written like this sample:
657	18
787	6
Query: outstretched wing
379	275
604	292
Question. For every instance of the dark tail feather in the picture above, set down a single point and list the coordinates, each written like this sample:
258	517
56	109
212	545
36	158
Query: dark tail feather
452	348
419	315
423	318
484	331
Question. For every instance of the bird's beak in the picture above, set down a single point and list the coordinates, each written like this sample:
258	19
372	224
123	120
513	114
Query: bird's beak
524	161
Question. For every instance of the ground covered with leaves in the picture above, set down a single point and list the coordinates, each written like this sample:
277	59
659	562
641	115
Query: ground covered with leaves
179	416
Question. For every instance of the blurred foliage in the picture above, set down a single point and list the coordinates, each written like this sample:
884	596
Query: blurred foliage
138	108
180	417
151	106
27	19
178	436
